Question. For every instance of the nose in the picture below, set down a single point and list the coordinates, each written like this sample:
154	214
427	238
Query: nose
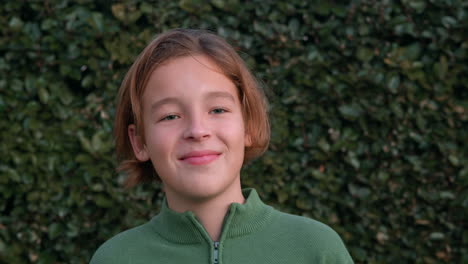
197	129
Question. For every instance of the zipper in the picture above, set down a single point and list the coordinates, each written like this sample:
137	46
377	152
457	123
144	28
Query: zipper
216	253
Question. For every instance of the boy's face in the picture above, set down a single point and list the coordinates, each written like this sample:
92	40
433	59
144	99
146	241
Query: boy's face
194	129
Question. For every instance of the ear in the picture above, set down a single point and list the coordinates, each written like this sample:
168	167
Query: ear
139	148
247	140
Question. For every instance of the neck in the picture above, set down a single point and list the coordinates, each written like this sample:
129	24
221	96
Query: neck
209	211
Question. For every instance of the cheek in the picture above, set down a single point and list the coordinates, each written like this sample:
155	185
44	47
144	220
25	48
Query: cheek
158	142
235	133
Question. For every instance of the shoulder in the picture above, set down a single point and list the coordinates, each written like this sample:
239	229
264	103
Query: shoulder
318	239
118	248
306	226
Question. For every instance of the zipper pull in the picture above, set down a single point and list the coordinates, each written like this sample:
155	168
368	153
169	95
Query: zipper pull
215	253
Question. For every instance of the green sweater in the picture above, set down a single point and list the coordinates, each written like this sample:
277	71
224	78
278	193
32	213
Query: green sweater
253	232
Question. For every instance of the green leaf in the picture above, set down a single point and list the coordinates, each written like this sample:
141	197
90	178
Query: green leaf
353	160
441	68
418	5
65	96
85	143
351	111
359	253
449	21
293	26
361	192
146	8
219	3
304	204
55	230
436	236
282	196
365	54
363	30
96	142
323	145
394	83
97	21
16	23
447	195
412	52
195	6
102	201
87	81
118	10
323	8
43	95
454	160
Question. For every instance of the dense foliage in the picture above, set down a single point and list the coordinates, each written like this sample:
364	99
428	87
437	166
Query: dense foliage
369	110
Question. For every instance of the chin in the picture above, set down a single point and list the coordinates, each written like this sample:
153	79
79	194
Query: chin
208	191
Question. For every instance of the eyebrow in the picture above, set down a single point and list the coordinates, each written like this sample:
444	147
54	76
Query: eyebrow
167	100
174	100
226	95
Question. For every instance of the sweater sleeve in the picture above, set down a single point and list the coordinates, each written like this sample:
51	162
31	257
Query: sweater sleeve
334	251
118	249
107	255
317	242
332	248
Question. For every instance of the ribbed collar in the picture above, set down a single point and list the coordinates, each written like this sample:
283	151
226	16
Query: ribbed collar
240	220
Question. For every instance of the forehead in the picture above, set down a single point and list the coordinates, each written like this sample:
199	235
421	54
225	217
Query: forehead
187	76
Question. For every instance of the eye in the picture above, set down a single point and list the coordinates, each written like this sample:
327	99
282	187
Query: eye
170	117
218	111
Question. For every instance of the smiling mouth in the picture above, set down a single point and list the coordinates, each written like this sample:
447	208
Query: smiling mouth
200	157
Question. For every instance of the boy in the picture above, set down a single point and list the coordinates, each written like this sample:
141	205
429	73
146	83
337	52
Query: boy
190	114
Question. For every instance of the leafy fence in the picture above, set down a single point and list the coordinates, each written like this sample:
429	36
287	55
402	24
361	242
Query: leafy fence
368	107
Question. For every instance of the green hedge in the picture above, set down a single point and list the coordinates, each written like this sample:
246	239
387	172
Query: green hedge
369	110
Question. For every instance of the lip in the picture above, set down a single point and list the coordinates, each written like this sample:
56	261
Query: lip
200	157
